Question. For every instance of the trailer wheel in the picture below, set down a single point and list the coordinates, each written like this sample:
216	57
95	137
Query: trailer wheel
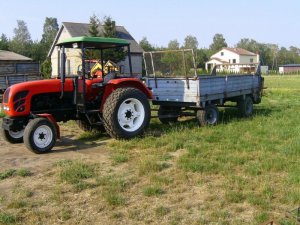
165	111
126	113
208	116
245	106
13	136
40	135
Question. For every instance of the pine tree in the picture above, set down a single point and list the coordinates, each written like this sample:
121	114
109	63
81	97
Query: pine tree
94	26
4	42
109	31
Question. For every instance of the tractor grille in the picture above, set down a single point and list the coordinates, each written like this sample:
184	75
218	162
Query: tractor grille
19	101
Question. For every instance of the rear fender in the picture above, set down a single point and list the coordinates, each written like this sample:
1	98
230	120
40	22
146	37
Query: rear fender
123	83
52	120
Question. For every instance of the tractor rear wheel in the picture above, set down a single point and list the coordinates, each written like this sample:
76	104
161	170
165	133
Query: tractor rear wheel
126	113
40	135
13	136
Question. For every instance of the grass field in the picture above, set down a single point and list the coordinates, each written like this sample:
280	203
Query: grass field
243	171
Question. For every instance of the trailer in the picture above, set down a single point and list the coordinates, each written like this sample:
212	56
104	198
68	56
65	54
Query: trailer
178	95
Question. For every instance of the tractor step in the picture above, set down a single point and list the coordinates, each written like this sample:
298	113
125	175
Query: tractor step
94	111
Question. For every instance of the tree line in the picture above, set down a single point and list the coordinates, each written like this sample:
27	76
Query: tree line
271	55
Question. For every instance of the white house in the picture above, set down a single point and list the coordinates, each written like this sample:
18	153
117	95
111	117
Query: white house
68	30
234	60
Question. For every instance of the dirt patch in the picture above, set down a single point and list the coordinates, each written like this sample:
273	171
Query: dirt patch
68	147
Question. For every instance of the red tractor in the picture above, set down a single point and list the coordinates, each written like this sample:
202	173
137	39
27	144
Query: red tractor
118	104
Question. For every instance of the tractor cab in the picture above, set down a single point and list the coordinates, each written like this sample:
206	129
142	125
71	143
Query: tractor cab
86	60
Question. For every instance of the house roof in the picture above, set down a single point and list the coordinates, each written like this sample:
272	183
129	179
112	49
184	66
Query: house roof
11	56
82	29
290	65
240	51
90	42
220	60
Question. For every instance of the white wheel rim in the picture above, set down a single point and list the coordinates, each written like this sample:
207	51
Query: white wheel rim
42	136
16	134
131	114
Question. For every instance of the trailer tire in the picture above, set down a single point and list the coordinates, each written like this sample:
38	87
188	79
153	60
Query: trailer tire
245	106
40	135
126	113
208	116
13	137
168	111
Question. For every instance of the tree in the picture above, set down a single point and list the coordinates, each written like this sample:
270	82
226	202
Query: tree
218	43
109	27
248	44
50	29
173	45
190	42
145	45
94	26
4	42
22	40
202	57
46	68
109	30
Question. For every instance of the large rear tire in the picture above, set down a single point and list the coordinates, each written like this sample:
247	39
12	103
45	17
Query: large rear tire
168	115
13	137
208	116
126	113
40	135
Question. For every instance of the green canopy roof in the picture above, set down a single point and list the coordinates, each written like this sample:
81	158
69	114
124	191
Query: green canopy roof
94	42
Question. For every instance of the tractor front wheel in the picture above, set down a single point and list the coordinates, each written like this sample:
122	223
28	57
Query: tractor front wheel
13	136
126	113
40	135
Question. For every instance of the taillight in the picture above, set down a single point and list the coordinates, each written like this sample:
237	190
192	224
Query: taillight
19	101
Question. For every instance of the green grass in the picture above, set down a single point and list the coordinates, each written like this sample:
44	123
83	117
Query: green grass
1	113
13	172
242	171
76	173
6	218
153	191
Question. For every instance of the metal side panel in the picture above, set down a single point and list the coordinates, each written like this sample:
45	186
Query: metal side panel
174	90
213	88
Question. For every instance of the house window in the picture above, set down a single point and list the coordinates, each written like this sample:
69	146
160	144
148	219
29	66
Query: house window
234	61
251	60
222	53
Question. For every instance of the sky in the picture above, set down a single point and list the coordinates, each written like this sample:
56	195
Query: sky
266	21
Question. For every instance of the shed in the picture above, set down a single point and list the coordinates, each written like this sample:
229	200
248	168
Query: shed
16	68
289	68
70	29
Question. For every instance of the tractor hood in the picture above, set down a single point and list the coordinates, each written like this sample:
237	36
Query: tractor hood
16	99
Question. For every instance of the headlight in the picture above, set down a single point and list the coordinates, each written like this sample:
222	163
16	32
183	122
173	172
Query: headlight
6	108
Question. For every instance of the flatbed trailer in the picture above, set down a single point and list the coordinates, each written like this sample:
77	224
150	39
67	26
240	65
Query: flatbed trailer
203	94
